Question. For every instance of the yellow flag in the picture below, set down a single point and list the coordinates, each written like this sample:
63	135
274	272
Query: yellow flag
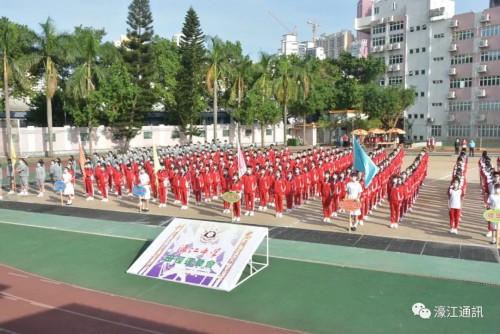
13	155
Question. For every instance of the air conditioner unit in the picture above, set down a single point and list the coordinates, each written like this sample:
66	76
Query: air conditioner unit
481	93
453	47
483	43
390	19
450	118
451	95
396	46
382	20
389	46
389	68
482	68
381	48
396	67
454	24
481	118
430	119
452	71
485	18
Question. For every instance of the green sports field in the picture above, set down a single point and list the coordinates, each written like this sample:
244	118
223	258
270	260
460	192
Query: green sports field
295	294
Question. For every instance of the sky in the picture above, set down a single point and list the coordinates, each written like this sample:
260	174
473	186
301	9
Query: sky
247	21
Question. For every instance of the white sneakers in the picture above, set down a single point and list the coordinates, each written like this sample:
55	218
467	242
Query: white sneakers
394	225
489	234
260	208
162	205
39	195
334	214
247	213
251	213
12	192
104	200
326	220
360	222
184	207
1	197
453	231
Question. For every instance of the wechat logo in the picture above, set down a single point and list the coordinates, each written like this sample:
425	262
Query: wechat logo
420	310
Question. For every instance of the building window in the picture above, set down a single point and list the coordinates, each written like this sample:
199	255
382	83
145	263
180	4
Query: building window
490	55
424	26
418	28
467	58
176	134
424	49
393	26
412	29
377	41
411	51
463	34
422	94
248	132
417	72
438	59
489	81
409	116
225	133
417	50
490	31
395	81
378	29
421	115
489	105
394	5
396	38
461	83
460	106
423	72
147	134
269	132
377	10
437	104
439	35
488	131
84	136
437	82
397	59
410	73
459	131
436	130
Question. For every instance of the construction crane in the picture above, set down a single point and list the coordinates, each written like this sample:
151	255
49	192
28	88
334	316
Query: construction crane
315	26
293	32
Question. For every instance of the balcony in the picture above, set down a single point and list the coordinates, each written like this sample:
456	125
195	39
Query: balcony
363	24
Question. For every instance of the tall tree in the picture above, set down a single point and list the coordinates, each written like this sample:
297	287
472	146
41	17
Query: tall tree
189	93
240	78
285	86
52	51
15	41
140	64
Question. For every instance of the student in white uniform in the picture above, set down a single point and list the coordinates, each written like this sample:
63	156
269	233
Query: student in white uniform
455	195
353	191
144	181
494	203
69	190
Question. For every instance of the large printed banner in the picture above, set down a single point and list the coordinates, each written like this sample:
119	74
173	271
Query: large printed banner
202	253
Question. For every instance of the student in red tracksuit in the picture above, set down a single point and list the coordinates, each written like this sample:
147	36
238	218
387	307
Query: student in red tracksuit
264	185
236	186
396	196
298	184
184	188
162	177
249	187
225	183
207	183
198	185
279	189
306	184
103	183
215	182
130	178
325	190
118	180
88	175
289	191
175	185
337	190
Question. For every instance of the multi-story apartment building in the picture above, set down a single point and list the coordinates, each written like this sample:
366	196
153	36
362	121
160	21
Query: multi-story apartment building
335	44
451	60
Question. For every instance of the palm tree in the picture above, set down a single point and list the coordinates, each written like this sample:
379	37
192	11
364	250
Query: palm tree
285	86
88	48
240	74
11	52
217	58
305	80
50	53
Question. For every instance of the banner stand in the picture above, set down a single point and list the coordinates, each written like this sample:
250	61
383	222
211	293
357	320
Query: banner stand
254	266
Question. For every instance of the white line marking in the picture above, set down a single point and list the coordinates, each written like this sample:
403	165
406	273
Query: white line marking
47	281
2	330
14	274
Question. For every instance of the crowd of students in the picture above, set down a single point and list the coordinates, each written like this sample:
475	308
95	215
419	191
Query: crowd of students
490	189
456	191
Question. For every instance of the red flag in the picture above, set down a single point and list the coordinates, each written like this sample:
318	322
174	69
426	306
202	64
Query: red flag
242	166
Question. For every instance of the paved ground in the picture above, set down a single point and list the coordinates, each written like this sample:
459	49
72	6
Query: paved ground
428	221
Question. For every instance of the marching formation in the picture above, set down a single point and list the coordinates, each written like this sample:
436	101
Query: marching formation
490	189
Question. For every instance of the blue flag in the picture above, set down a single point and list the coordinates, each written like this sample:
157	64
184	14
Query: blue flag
363	163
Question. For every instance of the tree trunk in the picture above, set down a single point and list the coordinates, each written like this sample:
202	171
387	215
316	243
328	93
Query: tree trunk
284	124
215	106
49	126
6	99
262	134
239	133
304	131
90	141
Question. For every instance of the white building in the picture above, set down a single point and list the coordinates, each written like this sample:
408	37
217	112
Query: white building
289	45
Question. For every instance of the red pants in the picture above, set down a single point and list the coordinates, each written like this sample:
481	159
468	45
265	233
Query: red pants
249	201
289	201
454	217
89	187
227	205
395	211
184	196
118	189
327	206
197	195
162	192
130	185
335	203
279	202
154	190
305	194
297	198
215	189
263	197
206	190
104	191
237	209
177	194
